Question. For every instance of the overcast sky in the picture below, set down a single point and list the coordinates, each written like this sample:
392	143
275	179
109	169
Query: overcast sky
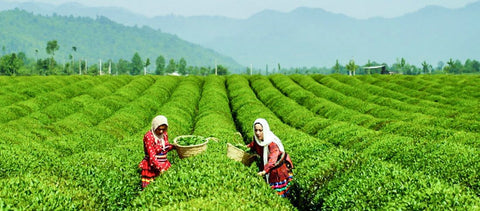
244	8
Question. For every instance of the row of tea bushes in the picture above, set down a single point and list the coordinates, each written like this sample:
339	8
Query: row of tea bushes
321	106
461	98
354	137
180	110
424	112
182	106
444	86
23	108
315	161
41	123
78	170
79	148
454	169
100	108
381	107
398	92
414	128
210	180
16	89
109	154
354	87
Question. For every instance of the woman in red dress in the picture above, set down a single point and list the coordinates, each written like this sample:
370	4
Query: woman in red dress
156	146
277	165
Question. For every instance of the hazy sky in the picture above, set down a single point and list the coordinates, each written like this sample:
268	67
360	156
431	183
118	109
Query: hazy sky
245	8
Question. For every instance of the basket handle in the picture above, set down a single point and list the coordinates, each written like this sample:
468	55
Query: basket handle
240	135
212	138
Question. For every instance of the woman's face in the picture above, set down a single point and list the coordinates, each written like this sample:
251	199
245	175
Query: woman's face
160	130
259	131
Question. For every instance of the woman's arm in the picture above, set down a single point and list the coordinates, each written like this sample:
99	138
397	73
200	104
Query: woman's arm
168	146
272	157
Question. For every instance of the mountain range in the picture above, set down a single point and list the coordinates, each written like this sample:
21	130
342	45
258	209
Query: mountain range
310	36
99	39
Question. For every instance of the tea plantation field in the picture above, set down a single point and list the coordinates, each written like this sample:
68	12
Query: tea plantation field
362	142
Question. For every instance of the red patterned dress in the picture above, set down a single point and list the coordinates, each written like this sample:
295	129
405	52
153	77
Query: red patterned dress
279	170
155	161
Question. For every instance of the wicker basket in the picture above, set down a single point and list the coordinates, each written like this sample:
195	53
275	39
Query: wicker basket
239	155
191	150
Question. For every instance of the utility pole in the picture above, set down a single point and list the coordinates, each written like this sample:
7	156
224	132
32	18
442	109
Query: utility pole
80	67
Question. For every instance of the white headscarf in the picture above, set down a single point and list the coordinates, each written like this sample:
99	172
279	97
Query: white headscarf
156	122
268	137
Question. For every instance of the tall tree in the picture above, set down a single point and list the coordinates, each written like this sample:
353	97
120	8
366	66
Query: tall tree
204	71
70	66
472	66
36	55
427	68
43	67
52	46
9	64
402	65
352	67
450	68
122	67
137	64
171	67
74	49
182	66
337	67
160	62
221	70
147	63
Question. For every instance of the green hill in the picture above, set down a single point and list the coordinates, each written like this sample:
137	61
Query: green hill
97	39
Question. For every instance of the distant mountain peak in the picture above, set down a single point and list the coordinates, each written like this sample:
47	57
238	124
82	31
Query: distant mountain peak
310	10
266	13
72	4
315	37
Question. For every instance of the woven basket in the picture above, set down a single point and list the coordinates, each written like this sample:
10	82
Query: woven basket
190	150
239	155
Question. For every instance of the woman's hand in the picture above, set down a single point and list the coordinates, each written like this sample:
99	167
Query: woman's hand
261	173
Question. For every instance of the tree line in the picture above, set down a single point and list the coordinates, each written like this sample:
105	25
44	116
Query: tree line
19	64
470	66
